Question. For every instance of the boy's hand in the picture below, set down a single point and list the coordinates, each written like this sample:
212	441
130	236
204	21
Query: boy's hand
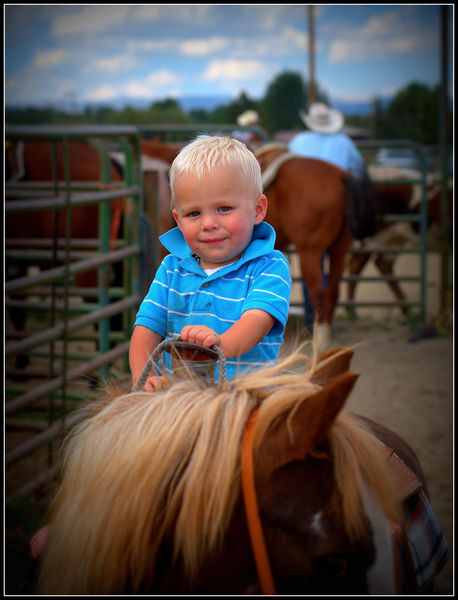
154	383
201	335
38	541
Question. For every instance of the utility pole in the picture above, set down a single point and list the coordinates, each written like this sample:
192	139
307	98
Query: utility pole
311	39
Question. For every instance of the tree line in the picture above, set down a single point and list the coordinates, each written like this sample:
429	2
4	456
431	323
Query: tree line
413	114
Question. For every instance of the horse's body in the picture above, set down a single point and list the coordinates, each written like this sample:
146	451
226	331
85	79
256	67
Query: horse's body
312	206
150	499
307	208
33	163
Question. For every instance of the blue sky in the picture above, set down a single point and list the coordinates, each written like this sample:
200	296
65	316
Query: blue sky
152	51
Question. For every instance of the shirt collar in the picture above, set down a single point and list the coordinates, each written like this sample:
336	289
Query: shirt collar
262	242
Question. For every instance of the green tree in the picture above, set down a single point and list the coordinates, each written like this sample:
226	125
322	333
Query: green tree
285	96
413	114
228	113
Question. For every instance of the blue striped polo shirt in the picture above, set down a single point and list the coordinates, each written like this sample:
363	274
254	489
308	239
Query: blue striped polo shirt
183	294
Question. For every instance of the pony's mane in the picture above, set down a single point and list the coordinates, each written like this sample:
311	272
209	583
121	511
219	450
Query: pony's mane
169	463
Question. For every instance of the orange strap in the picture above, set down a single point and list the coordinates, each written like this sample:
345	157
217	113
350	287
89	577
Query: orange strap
251	509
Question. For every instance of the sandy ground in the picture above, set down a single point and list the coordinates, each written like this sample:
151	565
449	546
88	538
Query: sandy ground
405	385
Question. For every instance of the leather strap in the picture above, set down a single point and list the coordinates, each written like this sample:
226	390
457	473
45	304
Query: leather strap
258	543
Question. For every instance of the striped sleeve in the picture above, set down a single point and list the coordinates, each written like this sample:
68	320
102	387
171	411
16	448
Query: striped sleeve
270	288
153	310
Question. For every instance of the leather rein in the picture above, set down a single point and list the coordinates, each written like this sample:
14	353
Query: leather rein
258	542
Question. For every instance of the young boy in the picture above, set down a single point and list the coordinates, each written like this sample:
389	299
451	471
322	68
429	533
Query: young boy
222	283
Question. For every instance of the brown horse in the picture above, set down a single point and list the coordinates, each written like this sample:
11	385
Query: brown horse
312	206
35	164
157	496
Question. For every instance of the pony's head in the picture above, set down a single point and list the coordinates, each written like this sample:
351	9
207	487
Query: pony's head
150	497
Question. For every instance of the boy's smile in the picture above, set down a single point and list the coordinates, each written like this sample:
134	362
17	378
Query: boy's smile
217	214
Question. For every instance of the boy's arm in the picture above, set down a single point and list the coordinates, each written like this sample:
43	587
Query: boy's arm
249	330
142	344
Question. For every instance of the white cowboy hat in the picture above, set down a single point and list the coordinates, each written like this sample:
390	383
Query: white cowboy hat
323	119
247	118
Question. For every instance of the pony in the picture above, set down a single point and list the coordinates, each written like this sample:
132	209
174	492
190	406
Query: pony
158	490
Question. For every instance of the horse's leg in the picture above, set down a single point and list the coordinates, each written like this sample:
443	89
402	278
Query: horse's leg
385	263
337	257
312	276
356	264
308	308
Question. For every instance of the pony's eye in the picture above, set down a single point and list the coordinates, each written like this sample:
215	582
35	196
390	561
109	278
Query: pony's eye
332	566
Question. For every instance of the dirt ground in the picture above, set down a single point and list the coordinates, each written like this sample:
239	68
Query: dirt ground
406	385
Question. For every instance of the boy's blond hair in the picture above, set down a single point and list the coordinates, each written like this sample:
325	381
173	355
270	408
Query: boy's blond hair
205	153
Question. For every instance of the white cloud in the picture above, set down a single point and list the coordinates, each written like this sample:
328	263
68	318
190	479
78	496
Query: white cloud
203	47
105	92
148	12
90	19
151	45
382	36
234	70
162	78
115	63
49	58
138	89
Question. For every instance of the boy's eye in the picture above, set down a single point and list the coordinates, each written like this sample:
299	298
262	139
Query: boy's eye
193	213
224	208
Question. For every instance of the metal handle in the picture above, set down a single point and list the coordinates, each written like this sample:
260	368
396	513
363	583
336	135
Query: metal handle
155	356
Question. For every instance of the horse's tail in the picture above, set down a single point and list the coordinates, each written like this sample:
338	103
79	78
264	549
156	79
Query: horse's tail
361	216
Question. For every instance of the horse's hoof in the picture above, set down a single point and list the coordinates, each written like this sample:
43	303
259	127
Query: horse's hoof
322	336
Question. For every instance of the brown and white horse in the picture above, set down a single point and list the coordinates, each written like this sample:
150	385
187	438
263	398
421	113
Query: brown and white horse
262	484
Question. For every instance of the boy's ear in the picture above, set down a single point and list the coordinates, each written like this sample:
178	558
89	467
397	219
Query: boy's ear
261	208
175	215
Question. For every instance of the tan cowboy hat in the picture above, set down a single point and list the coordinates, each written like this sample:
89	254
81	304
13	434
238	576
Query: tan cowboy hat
323	119
247	118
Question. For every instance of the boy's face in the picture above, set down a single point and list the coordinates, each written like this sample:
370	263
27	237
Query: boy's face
217	215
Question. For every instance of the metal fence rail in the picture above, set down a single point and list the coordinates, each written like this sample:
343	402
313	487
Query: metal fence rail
60	260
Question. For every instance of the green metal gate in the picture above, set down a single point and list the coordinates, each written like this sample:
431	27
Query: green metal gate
51	295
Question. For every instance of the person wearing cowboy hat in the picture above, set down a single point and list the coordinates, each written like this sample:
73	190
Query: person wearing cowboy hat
326	141
249	118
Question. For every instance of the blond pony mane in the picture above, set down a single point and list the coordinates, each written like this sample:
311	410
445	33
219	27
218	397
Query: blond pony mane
151	469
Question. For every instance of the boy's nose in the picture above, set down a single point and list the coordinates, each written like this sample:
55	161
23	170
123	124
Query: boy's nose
209	221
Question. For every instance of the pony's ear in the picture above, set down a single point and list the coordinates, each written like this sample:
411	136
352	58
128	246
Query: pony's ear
331	364
292	438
